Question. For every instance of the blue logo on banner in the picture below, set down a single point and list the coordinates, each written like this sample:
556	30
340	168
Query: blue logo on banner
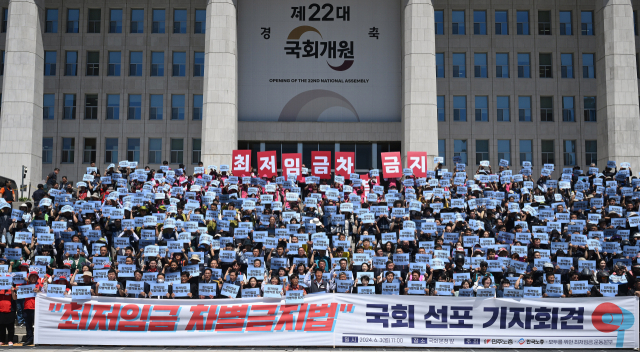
349	339
471	341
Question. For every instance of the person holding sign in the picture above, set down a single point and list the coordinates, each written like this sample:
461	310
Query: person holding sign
30	305
7	315
318	284
295	285
389	280
484	282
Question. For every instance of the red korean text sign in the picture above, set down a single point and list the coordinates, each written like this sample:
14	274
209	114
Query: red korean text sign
241	163
267	164
344	163
291	164
321	164
417	162
391	165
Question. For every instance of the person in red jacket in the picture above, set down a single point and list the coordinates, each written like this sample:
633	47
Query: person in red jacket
30	305
7	316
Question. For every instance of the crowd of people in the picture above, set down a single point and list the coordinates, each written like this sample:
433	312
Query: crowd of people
165	234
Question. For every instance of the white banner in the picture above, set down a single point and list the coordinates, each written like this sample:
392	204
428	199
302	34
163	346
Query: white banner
342	320
304	60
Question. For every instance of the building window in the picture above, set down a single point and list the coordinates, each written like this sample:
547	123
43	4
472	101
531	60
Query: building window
2	63
440	107
51	21
442	150
460	108
544	22
50	63
479	22
69	107
90	107
137	21
586	19
93	26
135	63
439	21
566	68
545	66
5	19
459	64
73	18
201	17
548	152
568	110
71	63
89	151
48	106
565	23
526	151
177	150
180	21
113	106
155	107
157	25
635	22
47	150
524	108
457	22
179	66
93	63
197	107
111	150
588	68
133	149
198	64
502	65
482	108
114	63
68	146
590	109
546	109
177	107
196	151
502	23
503	109
569	153
482	150
439	65
157	64
504	150
460	149
155	150
523	22
524	66
480	65
590	155
115	21
135	107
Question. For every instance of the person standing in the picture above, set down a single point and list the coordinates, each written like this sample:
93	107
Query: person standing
7	316
52	179
7	193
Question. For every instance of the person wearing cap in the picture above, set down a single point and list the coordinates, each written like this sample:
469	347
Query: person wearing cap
30	305
87	280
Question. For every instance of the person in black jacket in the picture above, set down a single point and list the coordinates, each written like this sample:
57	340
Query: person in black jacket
389	276
39	194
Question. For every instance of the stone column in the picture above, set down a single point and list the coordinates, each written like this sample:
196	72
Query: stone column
419	93
21	120
617	101
220	122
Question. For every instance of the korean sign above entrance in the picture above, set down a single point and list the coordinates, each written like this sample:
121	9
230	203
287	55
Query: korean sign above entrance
319	61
